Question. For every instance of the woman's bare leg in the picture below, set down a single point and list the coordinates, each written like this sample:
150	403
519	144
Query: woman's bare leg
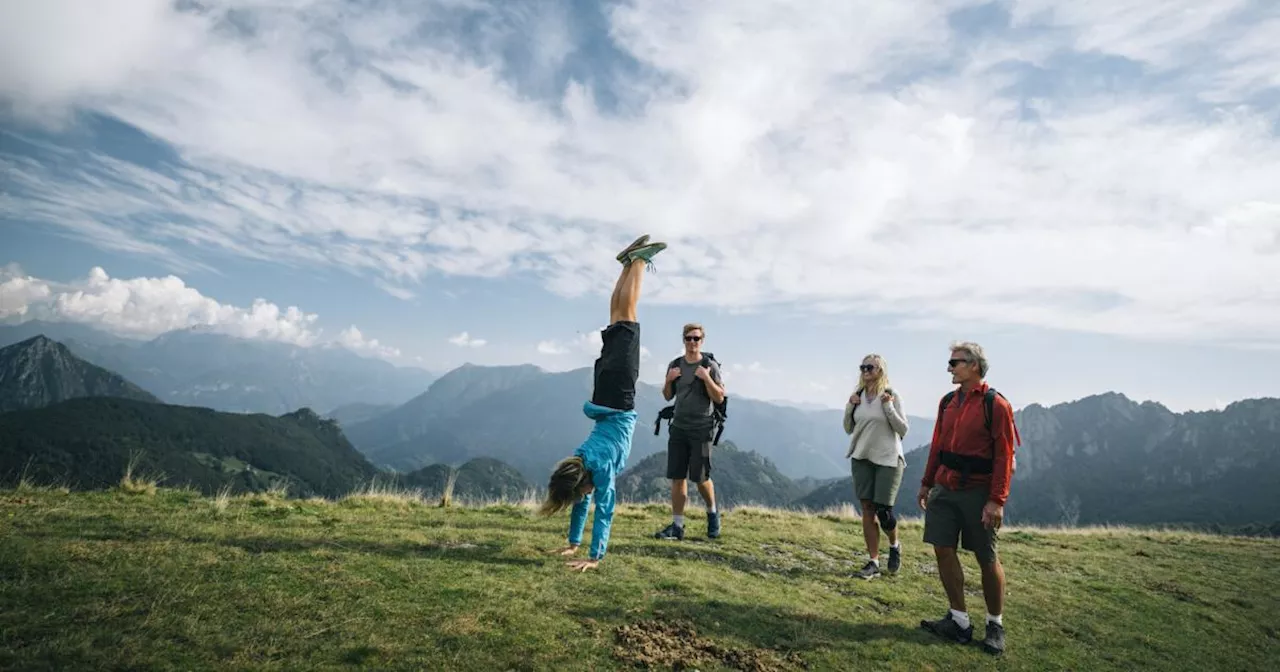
626	293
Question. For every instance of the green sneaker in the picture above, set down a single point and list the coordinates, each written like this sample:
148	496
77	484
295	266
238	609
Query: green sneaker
645	253
622	256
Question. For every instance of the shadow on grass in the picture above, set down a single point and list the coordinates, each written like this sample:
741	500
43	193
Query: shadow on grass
784	564
764	626
487	553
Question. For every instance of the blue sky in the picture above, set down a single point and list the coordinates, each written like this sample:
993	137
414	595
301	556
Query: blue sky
1089	189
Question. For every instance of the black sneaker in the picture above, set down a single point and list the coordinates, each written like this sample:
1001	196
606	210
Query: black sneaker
947	628
713	525
671	531
993	643
869	571
895	559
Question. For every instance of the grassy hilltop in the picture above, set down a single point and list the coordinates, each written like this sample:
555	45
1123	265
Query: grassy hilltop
167	579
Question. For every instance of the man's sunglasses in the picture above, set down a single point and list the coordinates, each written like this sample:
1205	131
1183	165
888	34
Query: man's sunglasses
692	339
954	362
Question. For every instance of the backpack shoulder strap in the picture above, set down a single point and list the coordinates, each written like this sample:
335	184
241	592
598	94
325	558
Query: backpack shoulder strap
946	399
988	401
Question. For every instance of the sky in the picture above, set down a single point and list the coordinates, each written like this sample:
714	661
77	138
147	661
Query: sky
1089	189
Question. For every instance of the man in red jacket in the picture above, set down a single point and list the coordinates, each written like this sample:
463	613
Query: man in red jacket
965	485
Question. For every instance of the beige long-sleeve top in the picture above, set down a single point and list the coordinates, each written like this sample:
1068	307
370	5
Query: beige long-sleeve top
875	430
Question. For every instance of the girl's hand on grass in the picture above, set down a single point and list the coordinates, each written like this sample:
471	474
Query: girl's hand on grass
583	565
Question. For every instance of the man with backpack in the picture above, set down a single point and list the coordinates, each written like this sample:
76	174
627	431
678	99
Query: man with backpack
694	382
963	492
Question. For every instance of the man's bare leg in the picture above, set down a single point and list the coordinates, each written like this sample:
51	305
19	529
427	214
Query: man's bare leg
993	586
708	491
951	572
679	495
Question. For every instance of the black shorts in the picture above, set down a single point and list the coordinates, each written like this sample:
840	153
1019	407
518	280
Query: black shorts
618	367
688	454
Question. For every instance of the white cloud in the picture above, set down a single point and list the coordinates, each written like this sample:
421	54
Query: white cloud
580	350
353	340
846	158
552	348
145	307
753	367
465	340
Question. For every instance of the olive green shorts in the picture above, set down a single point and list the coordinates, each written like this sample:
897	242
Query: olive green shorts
956	515
876	482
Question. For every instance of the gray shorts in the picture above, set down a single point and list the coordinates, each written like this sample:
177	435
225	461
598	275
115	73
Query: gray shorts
876	482
956	515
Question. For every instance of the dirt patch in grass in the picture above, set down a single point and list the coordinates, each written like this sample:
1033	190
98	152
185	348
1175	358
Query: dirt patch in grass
677	646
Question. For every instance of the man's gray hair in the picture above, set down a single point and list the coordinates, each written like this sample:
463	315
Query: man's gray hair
975	353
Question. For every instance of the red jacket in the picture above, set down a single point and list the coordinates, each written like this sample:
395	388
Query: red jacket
961	428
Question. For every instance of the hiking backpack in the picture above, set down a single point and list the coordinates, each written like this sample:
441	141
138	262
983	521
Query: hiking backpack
719	412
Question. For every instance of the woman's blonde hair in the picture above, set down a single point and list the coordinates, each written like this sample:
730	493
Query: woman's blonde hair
881	383
567	485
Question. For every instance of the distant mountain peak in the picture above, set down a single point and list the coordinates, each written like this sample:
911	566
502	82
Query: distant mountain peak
40	371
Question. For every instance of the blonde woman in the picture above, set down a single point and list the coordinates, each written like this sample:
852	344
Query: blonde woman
874	420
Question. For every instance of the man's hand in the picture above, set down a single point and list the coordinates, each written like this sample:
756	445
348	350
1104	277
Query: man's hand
672	374
703	373
568	550
583	565
922	498
992	515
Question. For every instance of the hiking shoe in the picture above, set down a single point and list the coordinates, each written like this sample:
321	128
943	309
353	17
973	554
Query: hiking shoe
622	256
993	643
895	559
671	531
713	525
645	253
869	571
947	628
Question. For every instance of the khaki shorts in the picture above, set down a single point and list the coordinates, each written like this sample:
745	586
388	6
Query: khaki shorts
956	515
876	482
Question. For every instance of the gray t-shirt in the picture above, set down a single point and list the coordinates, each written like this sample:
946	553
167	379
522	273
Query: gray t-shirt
693	402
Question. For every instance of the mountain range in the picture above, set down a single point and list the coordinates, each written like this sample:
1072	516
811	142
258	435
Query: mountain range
496	431
197	368
531	418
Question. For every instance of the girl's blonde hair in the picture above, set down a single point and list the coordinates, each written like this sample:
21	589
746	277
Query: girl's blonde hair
881	383
567	485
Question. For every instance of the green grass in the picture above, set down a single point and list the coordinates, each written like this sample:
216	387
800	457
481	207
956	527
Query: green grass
173	580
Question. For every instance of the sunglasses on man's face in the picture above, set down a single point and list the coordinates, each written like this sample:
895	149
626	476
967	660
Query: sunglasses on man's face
953	363
692	339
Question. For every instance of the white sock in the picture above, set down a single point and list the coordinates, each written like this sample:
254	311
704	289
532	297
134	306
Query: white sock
998	620
960	617
876	561
896	546
678	520
711	509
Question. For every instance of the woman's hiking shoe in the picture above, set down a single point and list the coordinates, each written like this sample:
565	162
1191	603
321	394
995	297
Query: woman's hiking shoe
713	524
895	559
947	628
993	643
622	256
869	571
671	531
